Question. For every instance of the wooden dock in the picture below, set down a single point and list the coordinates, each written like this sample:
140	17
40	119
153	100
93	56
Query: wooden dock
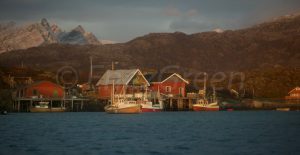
70	104
179	103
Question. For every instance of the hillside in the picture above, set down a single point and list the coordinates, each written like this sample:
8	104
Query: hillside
270	45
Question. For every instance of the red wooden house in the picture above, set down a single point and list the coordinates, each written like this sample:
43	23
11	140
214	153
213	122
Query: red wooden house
171	84
41	89
294	94
125	81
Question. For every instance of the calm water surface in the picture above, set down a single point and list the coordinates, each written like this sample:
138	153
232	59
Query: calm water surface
262	132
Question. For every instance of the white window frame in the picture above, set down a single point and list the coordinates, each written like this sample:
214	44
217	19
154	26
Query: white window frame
168	89
181	91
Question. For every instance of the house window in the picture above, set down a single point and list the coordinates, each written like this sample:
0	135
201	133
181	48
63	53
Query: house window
55	93
35	92
181	91
168	89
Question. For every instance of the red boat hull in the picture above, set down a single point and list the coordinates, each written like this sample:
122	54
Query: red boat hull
196	108
151	110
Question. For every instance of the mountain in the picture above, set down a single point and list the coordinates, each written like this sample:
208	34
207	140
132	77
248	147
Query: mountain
104	42
271	46
78	36
13	37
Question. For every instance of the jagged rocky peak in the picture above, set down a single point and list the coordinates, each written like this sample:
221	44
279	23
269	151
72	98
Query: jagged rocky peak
55	29
80	29
7	25
41	33
45	23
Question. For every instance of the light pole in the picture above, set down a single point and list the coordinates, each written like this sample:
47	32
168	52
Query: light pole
113	63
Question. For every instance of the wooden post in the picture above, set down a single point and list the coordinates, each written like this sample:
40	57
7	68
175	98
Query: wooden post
171	104
72	106
190	104
27	107
50	105
18	105
81	106
179	104
30	104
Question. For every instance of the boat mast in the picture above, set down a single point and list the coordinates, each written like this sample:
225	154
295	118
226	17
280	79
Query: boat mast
204	86
91	70
214	94
113	92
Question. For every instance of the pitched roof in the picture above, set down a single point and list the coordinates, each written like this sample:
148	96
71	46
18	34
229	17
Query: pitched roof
39	82
295	90
120	77
162	77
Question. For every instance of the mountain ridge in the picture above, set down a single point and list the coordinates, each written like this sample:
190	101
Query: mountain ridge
15	37
267	53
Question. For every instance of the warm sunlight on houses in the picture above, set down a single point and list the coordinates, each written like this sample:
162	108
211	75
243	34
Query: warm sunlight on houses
294	94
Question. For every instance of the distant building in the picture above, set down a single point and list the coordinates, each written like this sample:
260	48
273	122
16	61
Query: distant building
131	82
294	94
41	89
171	84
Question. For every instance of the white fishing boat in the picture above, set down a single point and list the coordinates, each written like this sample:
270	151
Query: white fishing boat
152	106
122	105
204	104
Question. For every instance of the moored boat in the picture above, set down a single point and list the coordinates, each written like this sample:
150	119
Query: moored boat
283	109
203	105
43	106
150	107
121	105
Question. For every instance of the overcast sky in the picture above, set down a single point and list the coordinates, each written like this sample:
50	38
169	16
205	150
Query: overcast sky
123	20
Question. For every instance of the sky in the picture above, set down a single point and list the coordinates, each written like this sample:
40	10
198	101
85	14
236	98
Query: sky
124	20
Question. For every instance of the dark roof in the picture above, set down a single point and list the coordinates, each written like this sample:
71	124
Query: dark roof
157	77
161	77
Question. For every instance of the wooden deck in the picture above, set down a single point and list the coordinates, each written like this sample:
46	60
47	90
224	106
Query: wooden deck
70	104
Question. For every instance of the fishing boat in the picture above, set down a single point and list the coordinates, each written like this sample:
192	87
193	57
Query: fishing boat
4	112
122	105
155	106
148	106
43	106
283	109
204	104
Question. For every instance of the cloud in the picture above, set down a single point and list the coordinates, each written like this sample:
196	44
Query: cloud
191	25
121	21
192	12
172	11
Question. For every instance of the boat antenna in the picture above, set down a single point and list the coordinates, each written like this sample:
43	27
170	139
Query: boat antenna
204	85
113	92
91	69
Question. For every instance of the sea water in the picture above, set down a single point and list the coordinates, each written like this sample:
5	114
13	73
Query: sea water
238	132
